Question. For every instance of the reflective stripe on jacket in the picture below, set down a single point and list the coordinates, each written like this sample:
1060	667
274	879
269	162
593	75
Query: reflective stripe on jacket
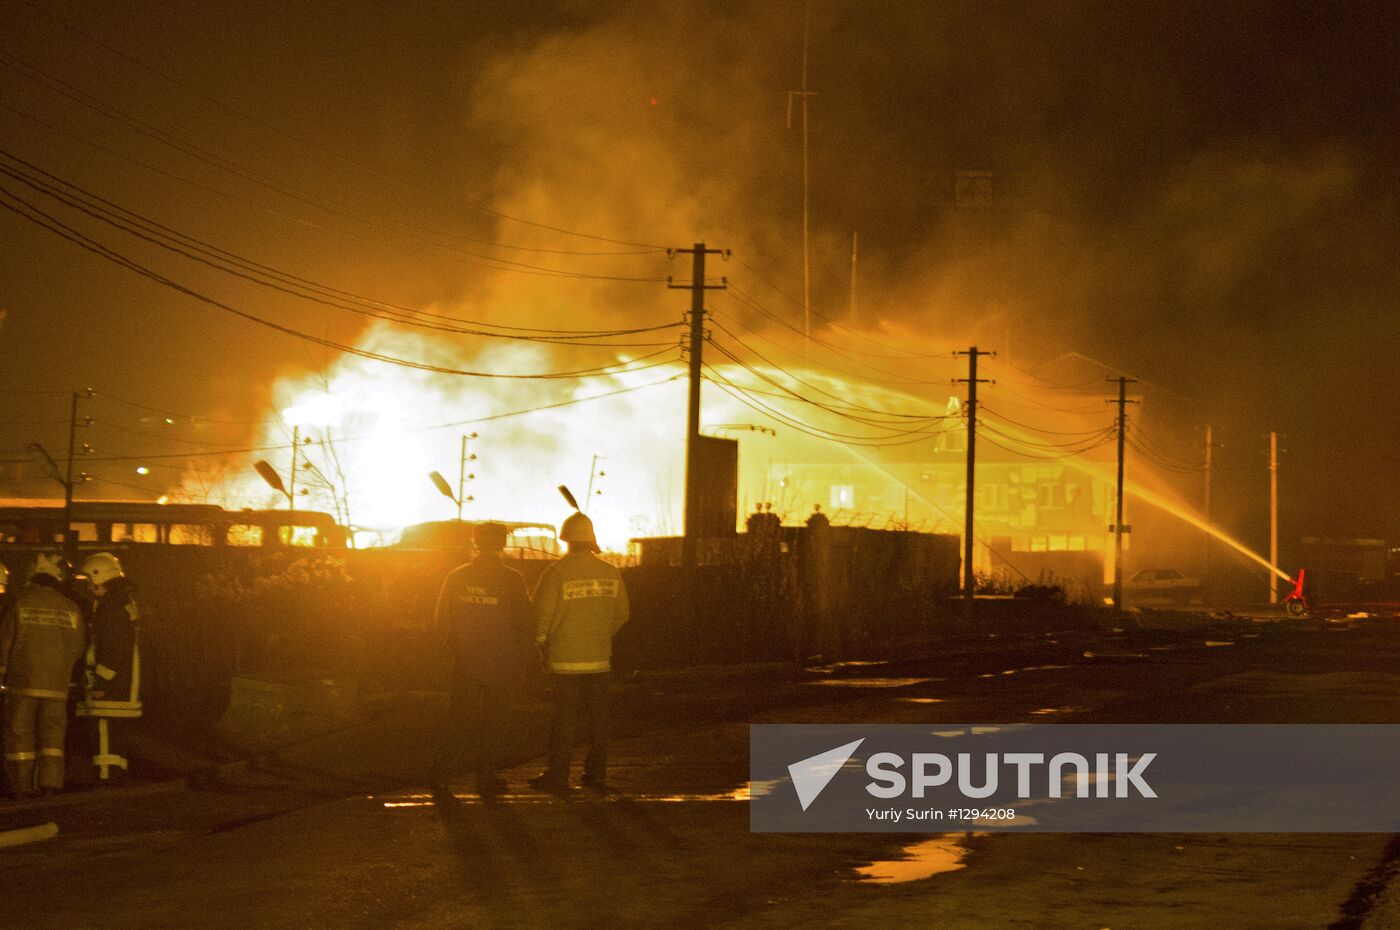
41	636
115	656
579	604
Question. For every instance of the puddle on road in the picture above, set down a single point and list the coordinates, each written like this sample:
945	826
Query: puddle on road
1051	711
852	663
871	682
1028	668
1219	642
924	859
743	793
914	700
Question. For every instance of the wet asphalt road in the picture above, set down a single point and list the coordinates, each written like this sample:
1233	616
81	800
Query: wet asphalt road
342	832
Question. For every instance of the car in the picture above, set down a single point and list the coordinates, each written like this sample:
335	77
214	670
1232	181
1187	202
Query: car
524	540
1163	584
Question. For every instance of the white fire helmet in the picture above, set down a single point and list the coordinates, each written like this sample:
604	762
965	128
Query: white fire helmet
101	567
578	529
51	564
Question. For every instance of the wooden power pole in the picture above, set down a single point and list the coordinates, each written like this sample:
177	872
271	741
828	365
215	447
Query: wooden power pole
695	347
970	501
1118	528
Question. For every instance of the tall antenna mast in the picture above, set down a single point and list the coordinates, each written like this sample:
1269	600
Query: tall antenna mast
803	94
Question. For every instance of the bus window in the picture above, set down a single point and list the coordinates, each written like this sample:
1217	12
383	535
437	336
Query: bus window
297	535
190	534
529	542
133	532
87	532
245	534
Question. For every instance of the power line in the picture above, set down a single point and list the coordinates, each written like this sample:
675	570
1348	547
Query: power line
740	394
1042	381
807	384
1038	429
834	409
902	354
29	212
173	240
889	377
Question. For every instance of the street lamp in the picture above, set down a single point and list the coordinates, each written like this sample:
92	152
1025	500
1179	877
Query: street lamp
446	491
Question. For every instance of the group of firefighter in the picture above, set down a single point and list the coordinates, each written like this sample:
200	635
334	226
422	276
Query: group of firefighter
497	634
57	626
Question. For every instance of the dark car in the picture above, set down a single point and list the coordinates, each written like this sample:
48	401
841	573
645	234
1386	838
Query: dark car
523	540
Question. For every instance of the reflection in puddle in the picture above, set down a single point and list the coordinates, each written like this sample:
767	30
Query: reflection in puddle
947	853
743	793
912	700
871	682
853	663
1028	668
1219	642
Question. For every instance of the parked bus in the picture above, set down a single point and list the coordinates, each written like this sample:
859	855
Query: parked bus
30	523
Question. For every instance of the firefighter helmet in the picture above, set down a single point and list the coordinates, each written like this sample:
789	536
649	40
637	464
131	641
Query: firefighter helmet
51	564
101	568
578	529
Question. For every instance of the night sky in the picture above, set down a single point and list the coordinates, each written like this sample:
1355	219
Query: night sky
1200	194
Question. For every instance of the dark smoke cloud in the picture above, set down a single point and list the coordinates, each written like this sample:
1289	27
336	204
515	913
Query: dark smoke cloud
1201	194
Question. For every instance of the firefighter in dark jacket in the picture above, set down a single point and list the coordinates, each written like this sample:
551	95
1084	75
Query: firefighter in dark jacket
113	663
41	636
483	614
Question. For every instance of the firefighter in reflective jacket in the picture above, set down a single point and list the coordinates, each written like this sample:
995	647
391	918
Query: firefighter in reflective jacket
113	662
579	604
41	637
483	614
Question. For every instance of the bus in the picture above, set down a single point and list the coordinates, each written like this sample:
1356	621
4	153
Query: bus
34	523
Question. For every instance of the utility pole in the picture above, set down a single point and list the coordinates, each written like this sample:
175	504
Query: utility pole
803	94
1118	528
70	549
462	475
1273	515
292	478
695	347
1205	505
855	319
970	502
593	472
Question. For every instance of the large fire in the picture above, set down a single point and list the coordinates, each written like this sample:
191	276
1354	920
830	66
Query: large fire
370	434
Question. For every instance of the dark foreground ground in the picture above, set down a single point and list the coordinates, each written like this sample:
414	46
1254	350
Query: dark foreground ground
341	832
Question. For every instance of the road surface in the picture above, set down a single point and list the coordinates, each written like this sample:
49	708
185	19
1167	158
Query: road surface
341	832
